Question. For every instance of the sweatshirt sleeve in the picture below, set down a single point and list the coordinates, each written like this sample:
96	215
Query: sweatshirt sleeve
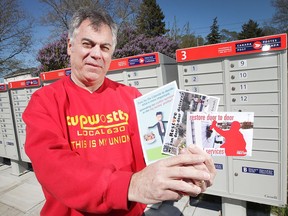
78	183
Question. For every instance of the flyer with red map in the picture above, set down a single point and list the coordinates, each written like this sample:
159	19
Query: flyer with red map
222	133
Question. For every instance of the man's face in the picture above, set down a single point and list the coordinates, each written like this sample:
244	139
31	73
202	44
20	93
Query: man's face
90	54
159	117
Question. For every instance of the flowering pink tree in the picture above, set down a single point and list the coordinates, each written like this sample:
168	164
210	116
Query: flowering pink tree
130	43
54	56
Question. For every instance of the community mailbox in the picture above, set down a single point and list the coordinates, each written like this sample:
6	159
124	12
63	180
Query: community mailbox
21	92
8	143
52	76
250	76
145	72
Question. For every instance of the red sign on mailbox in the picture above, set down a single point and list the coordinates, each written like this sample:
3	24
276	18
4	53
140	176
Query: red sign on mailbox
134	61
55	74
239	47
33	82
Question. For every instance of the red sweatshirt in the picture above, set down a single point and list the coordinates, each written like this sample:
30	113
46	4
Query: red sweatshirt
84	148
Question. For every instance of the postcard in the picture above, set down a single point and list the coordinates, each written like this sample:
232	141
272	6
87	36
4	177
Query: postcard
184	102
153	111
222	133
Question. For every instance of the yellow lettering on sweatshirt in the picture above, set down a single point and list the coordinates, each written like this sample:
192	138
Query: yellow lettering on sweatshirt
98	121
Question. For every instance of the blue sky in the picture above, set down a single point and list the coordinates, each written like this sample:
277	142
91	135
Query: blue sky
231	15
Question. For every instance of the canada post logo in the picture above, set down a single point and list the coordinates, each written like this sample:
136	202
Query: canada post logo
32	82
67	72
257	45
142	60
253	45
2	87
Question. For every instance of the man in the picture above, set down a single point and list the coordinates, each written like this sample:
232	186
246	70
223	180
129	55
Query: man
83	141
160	125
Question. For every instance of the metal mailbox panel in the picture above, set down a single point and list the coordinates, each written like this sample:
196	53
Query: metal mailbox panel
9	136
4	95
7	130
203	67
30	91
18	91
11	148
4	105
19	109
24	157
208	89
254	87
4	118
244	62
265	156
4	99
202	79
8	146
264	99
266	133
21	126
144	83
221	108
260	110
142	73
248	175
20	103
4	115
21	131
266	145
5	111
18	119
266	122
18	97
7	120
221	180
254	75
18	115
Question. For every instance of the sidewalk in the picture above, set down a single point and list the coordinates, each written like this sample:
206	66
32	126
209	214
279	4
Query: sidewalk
19	195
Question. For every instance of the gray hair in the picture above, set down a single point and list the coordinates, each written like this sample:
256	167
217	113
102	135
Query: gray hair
97	18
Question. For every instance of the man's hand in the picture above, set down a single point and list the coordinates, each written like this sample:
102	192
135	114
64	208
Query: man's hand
167	179
207	165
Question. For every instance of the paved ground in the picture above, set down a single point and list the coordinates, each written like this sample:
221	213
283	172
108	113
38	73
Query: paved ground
22	196
19	195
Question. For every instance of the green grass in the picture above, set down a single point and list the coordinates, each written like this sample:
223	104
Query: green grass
280	211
